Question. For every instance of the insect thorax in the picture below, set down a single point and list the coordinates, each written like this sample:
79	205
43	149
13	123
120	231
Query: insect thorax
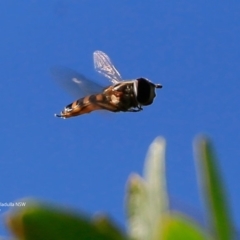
122	95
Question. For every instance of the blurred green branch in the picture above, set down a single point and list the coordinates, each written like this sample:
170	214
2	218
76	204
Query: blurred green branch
148	213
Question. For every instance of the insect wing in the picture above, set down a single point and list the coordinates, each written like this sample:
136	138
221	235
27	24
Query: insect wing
75	83
103	65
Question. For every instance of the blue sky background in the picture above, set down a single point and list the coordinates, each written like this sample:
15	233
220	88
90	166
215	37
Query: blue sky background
190	47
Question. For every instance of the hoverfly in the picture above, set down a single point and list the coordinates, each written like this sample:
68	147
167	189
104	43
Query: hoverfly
121	96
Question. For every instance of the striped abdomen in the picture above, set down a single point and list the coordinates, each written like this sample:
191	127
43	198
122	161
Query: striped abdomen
87	105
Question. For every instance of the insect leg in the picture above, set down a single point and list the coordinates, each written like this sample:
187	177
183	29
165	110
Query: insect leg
139	108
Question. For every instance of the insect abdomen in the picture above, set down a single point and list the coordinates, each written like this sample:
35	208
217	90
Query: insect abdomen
87	105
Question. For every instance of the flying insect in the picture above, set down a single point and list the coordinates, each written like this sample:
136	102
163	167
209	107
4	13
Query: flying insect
120	96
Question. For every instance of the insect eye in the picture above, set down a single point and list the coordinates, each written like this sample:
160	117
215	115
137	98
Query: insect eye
145	92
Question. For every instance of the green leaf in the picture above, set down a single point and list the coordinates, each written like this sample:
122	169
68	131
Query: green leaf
147	199
179	227
40	221
213	190
137	204
155	177
107	227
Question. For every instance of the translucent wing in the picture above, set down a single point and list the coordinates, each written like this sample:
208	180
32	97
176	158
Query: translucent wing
75	83
103	65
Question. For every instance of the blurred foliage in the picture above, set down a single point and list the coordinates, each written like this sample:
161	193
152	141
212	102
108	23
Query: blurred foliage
148	213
